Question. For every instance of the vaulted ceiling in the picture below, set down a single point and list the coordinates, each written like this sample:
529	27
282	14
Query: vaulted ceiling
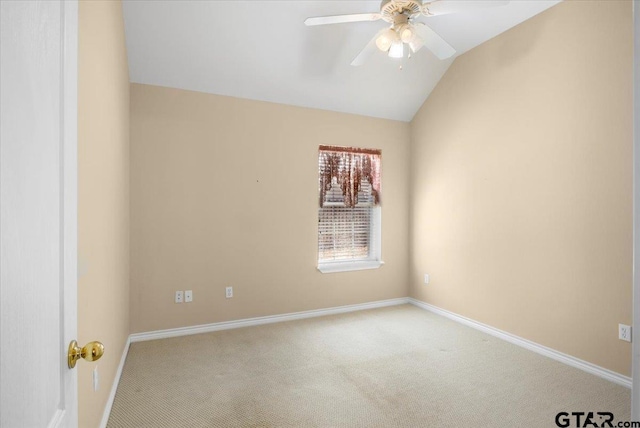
262	50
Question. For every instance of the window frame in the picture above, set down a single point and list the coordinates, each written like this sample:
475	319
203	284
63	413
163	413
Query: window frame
373	259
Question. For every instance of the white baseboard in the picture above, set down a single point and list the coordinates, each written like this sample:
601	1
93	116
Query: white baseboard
114	386
527	344
247	322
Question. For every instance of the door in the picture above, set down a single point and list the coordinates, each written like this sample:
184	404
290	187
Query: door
38	212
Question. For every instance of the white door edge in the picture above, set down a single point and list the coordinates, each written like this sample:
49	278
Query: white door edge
69	176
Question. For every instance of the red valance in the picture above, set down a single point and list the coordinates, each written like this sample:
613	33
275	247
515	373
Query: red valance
349	165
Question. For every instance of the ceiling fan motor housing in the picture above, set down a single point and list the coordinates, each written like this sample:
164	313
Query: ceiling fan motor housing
391	9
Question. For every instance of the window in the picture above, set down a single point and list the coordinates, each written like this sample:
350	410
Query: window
349	213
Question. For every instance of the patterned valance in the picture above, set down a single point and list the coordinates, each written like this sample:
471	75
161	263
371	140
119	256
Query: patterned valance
349	166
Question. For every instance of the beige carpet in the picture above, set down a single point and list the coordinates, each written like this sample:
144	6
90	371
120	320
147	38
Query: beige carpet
391	367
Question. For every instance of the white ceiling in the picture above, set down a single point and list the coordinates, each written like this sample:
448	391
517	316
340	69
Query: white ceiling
262	50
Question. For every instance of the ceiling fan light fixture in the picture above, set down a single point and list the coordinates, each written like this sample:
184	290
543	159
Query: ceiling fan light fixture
416	44
407	33
386	39
396	50
418	40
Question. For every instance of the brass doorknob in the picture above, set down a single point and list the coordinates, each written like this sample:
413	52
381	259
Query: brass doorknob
92	351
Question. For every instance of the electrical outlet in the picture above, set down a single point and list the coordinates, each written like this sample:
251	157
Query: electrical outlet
426	278
188	296
624	332
179	297
229	292
96	379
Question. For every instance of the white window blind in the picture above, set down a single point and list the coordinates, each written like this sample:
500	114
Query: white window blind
345	233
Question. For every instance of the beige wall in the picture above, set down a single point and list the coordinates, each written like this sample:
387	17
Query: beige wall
521	203
103	208
224	192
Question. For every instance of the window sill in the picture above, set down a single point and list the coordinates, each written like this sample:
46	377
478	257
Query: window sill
349	266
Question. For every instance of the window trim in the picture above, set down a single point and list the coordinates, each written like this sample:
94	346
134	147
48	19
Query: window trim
350	265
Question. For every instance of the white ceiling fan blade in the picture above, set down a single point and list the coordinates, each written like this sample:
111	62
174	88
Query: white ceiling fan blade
445	7
432	41
368	50
340	19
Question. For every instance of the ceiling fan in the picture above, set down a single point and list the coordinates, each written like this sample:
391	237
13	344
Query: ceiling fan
401	14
